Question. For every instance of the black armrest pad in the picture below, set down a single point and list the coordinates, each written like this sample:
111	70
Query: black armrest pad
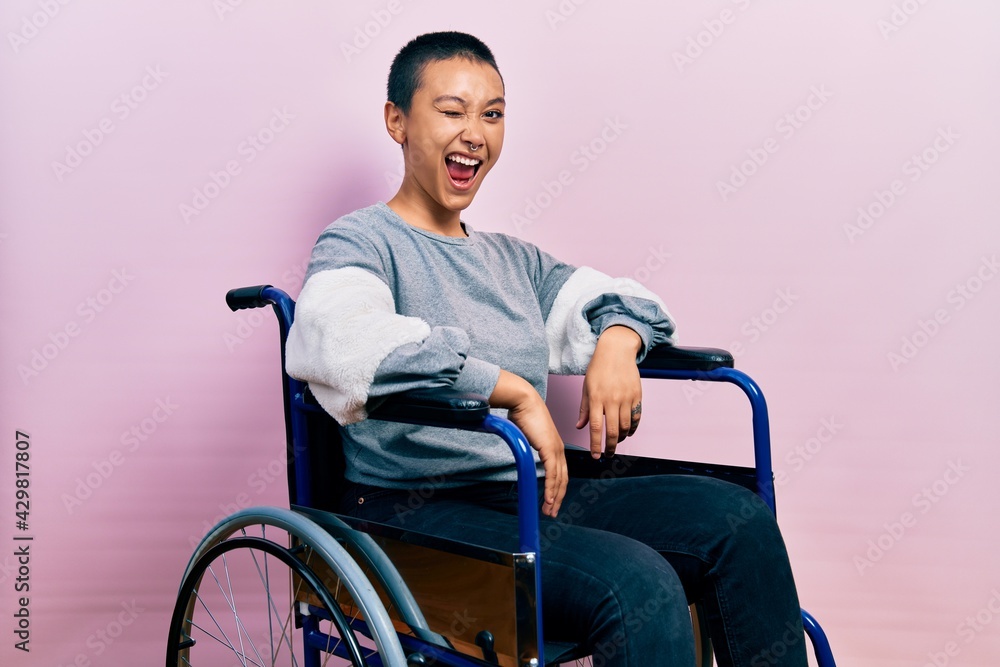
673	358
435	407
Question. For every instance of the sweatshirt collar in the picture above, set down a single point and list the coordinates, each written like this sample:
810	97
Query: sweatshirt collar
440	238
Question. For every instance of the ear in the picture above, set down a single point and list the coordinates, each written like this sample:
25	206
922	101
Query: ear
395	123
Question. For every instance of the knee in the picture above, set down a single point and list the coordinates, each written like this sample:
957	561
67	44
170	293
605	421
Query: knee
634	575
745	509
645	594
659	598
645	607
747	521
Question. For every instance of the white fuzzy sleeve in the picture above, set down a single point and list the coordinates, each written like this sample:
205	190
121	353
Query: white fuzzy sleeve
571	339
345	325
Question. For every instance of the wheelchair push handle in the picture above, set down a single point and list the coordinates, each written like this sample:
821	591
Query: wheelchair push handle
248	297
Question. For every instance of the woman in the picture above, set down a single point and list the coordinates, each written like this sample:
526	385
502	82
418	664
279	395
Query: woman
405	294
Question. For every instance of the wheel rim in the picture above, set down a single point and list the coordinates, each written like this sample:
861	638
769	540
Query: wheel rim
240	604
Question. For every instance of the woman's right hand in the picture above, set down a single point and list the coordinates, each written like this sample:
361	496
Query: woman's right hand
528	411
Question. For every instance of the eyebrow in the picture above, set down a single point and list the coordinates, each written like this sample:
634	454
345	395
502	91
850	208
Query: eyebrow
459	100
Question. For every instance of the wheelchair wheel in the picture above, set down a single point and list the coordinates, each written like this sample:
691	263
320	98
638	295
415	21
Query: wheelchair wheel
250	596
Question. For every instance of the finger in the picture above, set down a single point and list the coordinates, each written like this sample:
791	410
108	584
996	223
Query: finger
561	486
551	478
555	485
624	422
612	436
596	433
584	412
549	501
560	478
635	415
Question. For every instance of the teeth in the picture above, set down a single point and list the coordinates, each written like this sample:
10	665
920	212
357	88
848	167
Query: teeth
463	160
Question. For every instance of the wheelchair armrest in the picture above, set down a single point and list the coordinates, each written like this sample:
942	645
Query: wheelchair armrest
673	358
450	409
434	407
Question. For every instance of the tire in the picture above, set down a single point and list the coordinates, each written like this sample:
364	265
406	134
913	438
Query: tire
241	600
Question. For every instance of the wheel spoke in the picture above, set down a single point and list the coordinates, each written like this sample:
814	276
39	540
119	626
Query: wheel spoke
240	628
232	605
245	659
274	613
267	587
228	644
265	579
208	611
256	559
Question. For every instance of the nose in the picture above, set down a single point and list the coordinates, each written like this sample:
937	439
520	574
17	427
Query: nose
473	133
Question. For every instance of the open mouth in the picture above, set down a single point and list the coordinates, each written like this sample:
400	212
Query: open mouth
462	169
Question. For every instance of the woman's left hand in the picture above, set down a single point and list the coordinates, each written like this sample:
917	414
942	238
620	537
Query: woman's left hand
612	391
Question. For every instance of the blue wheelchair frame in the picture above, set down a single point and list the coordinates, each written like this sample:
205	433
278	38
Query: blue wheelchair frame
467	412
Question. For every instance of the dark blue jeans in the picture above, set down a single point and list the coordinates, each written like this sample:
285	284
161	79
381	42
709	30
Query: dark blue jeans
626	556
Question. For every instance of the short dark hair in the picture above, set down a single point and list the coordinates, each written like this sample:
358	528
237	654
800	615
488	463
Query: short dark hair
408	65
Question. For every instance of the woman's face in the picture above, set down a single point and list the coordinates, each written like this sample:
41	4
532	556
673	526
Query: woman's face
458	107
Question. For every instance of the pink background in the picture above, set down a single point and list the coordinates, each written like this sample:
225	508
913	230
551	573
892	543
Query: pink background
886	464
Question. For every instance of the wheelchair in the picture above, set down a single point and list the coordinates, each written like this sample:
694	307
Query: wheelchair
305	586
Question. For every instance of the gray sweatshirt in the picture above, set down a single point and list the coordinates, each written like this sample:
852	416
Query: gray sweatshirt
388	307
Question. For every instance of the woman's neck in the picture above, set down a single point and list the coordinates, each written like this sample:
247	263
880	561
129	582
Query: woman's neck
432	218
